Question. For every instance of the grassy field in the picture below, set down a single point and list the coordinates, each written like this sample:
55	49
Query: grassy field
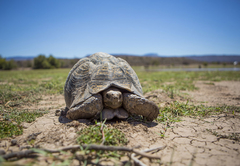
18	89
23	88
182	80
52	81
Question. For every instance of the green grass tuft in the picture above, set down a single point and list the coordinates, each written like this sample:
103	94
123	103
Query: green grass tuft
93	135
10	125
176	110
9	129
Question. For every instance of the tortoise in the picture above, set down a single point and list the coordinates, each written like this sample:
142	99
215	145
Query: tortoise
103	85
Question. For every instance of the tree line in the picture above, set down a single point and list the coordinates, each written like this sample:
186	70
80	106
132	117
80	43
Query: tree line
39	62
50	62
42	62
7	65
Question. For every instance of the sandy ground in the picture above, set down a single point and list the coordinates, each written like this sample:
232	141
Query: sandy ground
189	142
217	93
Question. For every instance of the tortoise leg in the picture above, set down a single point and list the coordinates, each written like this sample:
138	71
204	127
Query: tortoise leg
88	109
111	113
139	105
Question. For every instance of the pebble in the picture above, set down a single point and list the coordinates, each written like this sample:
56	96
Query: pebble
72	136
2	152
13	142
57	112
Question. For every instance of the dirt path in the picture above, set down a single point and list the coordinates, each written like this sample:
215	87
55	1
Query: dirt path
208	141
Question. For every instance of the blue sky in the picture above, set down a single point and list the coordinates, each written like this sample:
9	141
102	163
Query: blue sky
75	28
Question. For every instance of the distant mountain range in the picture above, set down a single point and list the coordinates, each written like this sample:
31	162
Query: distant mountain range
202	58
20	58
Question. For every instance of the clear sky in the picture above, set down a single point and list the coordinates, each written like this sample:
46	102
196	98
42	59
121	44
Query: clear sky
75	28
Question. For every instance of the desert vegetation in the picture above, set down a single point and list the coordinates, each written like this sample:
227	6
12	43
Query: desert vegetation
22	94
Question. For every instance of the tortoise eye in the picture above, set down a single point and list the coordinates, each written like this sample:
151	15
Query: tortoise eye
108	96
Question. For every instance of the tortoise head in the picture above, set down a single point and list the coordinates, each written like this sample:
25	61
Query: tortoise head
112	98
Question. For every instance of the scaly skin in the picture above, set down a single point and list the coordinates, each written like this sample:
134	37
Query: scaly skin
112	98
140	106
87	109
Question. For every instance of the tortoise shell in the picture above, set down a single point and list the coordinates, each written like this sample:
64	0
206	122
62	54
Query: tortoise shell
94	74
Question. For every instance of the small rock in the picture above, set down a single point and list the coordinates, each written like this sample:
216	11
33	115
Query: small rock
25	147
2	152
32	136
13	142
25	125
71	136
71	129
57	112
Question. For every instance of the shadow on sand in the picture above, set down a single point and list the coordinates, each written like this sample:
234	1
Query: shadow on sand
133	120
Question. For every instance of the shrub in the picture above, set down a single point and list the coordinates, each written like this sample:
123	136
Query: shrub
2	62
205	64
7	65
185	63
41	62
53	61
38	62
155	63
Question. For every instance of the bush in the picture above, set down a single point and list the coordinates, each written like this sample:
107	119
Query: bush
7	65
205	64
53	61
41	62
38	62
155	63
2	62
185	63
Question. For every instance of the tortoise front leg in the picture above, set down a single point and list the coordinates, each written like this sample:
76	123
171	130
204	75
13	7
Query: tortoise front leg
88	109
139	105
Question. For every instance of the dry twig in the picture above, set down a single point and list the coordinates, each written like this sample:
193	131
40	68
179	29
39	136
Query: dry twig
26	153
138	162
103	136
19	154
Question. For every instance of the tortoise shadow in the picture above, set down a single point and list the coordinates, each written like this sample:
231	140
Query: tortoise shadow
63	119
147	124
133	120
